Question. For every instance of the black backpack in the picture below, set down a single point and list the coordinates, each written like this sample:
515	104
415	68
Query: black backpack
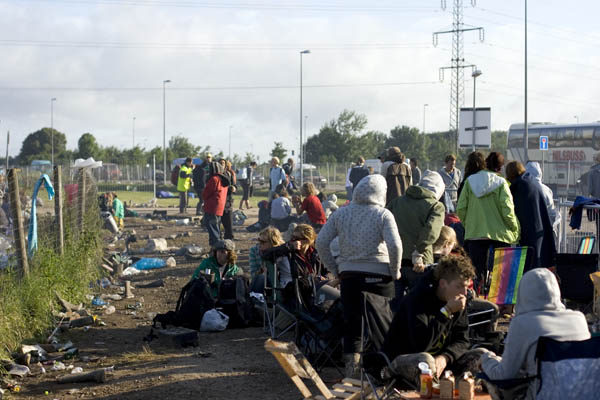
234	300
194	300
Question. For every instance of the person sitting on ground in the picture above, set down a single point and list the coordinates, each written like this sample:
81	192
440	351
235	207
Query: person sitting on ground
304	263
330	205
118	211
315	215
220	265
539	312
281	211
419	216
370	251
268	238
446	245
431	325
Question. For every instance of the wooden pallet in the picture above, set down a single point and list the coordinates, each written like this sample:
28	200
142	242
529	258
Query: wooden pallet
297	367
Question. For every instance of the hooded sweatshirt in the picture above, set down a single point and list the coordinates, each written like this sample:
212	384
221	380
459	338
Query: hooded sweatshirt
486	208
533	172
215	190
420	216
330	205
539	312
368	235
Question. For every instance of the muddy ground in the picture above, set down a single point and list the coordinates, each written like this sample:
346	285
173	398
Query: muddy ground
228	365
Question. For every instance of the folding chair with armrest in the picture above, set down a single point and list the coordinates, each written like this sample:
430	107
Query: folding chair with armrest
275	313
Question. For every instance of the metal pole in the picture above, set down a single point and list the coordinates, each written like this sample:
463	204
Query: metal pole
303	149
474	111
52	100
230	142
526	130
133	133
7	142
154	174
164	133
300	154
424	109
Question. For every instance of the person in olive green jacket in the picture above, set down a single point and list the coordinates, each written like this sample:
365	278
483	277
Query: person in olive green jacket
487	211
420	216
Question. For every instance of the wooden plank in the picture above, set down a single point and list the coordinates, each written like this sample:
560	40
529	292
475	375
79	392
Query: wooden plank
281	347
347	387
315	377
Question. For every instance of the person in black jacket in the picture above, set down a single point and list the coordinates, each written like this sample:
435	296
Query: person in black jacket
199	177
532	213
431	325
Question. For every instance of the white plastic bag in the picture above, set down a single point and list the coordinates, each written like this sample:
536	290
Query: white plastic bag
214	321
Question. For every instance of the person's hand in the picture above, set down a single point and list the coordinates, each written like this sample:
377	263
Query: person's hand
233	189
440	365
456	304
419	268
417	261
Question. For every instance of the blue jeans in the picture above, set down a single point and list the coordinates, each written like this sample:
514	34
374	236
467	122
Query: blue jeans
212	223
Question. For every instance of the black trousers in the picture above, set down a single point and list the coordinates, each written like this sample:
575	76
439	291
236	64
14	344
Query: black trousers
478	251
227	220
351	287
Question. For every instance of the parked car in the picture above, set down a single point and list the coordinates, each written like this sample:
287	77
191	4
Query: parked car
311	174
109	172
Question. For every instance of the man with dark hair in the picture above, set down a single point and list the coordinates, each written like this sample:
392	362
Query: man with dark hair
199	178
452	178
416	171
184	183
246	180
358	172
431	325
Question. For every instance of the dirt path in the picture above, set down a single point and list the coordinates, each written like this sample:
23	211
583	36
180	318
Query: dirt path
227	365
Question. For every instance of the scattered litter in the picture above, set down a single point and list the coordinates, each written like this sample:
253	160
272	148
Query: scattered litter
154	245
153	284
110	310
115	297
171	262
81	322
190	251
149	263
58	366
130	271
98	301
135	306
19	370
104	283
86	328
202	354
73	391
65	346
35	350
77	370
94	376
181	222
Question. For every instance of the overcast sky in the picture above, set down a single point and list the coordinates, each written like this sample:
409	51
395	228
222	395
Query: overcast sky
236	63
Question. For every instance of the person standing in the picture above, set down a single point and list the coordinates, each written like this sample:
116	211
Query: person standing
452	178
370	251
199	177
349	184
288	168
276	177
184	182
398	174
358	172
214	196
531	211
415	170
118	210
227	218
246	180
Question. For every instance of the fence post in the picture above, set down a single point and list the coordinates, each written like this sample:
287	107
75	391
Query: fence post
17	217
58	210
81	197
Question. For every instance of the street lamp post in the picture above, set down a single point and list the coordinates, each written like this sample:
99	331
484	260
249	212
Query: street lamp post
301	156
303	148
133	133
475	74
164	133
526	127
424	109
52	100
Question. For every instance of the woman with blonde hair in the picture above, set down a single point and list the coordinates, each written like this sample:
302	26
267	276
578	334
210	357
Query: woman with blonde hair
268	238
311	205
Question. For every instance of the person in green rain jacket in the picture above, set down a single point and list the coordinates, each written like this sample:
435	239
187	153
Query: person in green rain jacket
220	265
118	211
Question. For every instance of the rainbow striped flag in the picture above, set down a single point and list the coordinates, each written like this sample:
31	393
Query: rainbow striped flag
509	263
586	245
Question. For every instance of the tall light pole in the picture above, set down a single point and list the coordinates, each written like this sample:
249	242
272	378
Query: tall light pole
229	156
164	133
301	157
526	128
303	148
133	133
52	100
474	74
424	109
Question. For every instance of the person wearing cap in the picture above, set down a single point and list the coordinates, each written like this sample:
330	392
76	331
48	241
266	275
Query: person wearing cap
199	177
398	175
220	265
419	216
184	183
215	196
593	189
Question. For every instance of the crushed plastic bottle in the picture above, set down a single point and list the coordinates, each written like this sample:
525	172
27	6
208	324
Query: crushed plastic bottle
149	263
58	366
97	301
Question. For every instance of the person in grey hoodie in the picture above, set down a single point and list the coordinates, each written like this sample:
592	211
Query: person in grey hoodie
533	172
369	259
539	312
330	205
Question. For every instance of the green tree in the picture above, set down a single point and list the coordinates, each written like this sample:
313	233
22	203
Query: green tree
38	145
499	141
249	157
87	147
279	152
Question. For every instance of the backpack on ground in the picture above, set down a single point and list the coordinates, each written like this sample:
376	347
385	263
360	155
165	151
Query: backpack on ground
242	174
175	175
234	300
194	300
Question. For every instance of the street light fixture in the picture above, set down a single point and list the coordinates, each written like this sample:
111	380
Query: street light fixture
424	108
301	157
52	100
474	74
164	133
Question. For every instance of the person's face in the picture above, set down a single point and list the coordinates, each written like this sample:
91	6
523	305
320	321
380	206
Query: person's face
412	164
273	163
222	256
450	165
189	164
451	289
263	243
222	162
208	159
447	248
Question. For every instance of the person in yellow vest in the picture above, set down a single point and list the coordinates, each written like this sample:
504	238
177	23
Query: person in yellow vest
184	182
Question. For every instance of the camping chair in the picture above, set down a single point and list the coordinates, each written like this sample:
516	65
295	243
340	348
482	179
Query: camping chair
573	271
509	264
275	313
586	245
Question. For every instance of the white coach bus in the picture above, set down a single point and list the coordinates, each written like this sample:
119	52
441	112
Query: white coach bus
570	154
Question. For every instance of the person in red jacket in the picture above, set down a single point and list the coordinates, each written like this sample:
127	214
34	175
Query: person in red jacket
214	196
312	206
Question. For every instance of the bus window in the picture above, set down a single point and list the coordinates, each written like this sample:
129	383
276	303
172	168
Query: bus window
533	136
596	139
515	139
586	136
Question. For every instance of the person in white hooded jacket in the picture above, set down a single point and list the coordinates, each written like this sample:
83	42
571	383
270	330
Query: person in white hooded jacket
369	260
539	312
533	172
